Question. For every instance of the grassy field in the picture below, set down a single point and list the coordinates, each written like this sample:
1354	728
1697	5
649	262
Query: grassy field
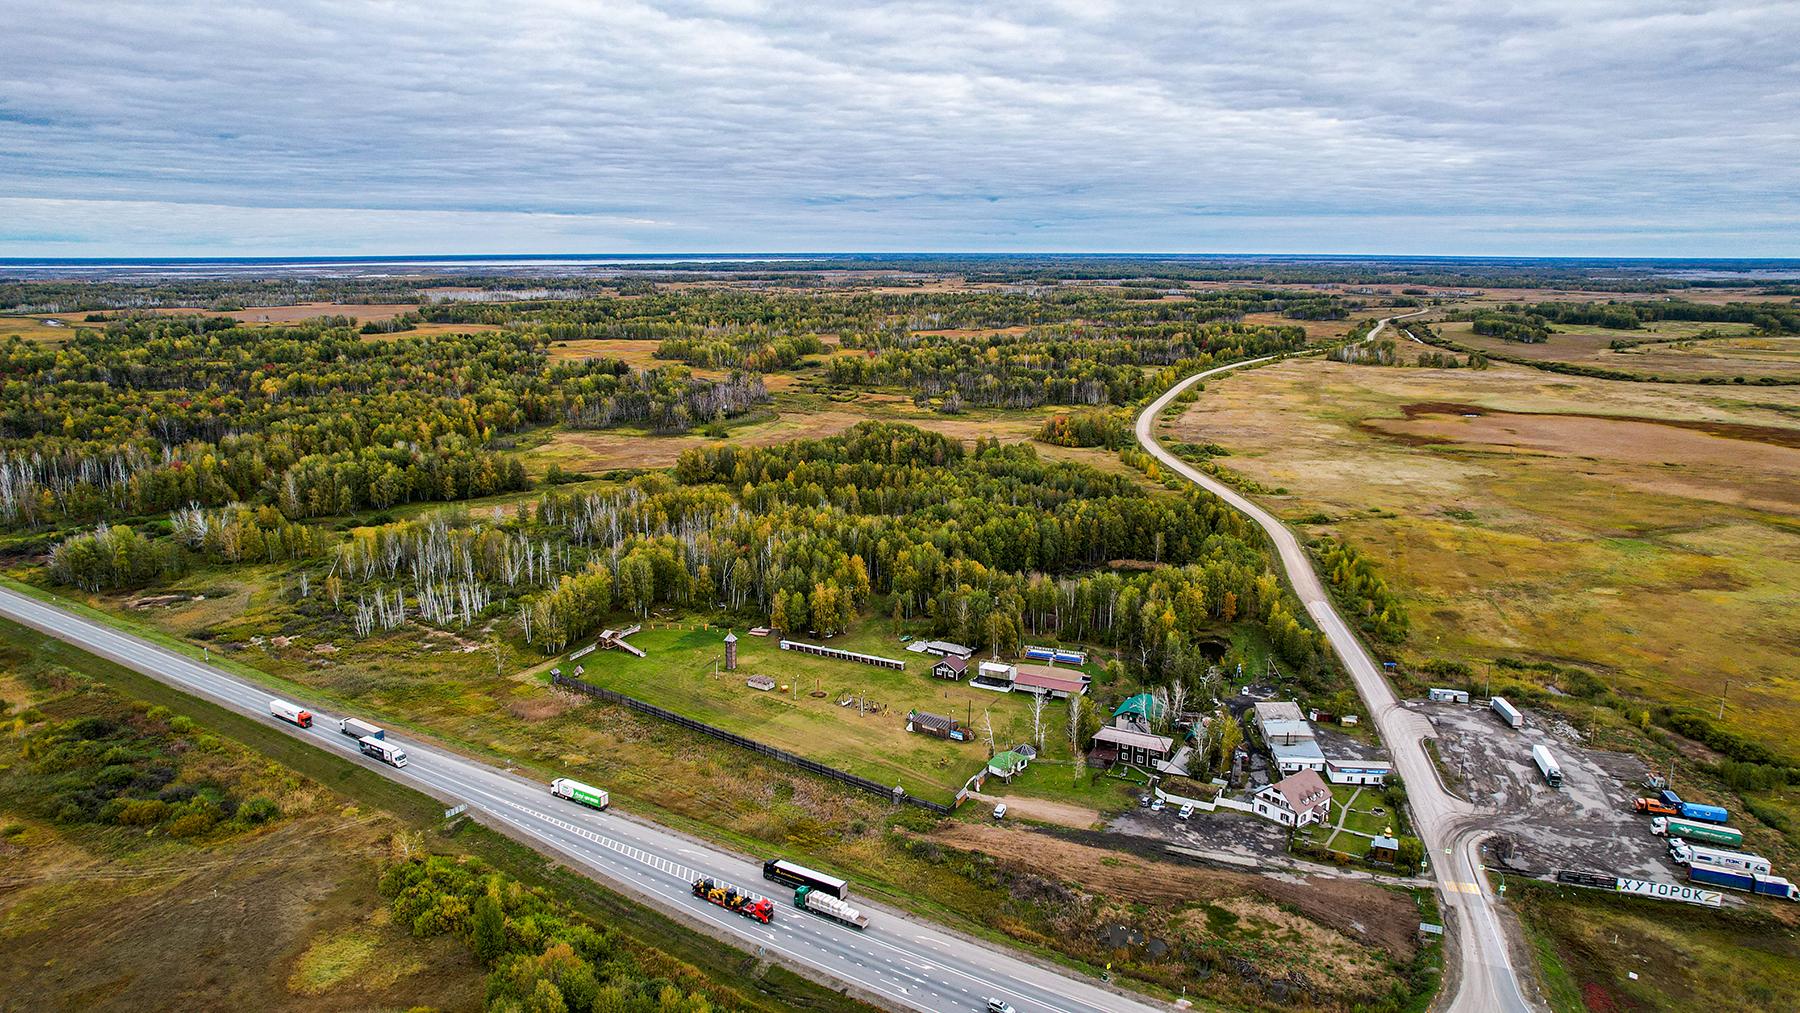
1671	349
270	917
796	413
811	717
1590	946
1647	532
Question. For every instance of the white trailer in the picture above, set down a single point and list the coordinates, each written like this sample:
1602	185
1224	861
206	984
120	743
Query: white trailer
575	791
382	750
1685	853
292	713
1546	765
1440	695
1508	713
360	729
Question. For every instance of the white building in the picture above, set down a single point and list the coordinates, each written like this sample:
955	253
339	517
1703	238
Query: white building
1297	800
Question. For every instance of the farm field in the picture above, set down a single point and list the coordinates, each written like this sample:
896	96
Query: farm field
1671	348
1647	532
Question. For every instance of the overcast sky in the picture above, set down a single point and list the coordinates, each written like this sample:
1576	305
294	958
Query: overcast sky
1637	127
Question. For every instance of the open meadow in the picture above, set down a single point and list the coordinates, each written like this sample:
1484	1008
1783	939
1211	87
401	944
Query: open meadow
1647	532
1668	349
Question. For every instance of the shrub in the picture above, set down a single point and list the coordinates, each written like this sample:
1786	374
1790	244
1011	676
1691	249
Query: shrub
258	810
145	812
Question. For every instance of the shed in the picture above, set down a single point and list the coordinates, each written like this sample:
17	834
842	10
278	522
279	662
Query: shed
1005	765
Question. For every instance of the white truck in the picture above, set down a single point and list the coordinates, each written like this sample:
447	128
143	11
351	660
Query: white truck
292	713
822	903
575	791
382	750
1546	765
360	729
1687	854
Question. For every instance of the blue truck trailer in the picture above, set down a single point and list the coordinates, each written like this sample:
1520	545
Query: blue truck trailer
1704	813
1737	879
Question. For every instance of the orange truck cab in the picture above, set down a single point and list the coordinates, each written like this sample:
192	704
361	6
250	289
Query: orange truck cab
1654	806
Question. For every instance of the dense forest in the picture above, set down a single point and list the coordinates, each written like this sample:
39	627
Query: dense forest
992	546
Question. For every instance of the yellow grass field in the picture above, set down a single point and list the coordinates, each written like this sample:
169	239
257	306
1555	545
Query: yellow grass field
1650	532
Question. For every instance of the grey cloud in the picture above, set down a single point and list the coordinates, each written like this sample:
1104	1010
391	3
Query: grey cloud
744	126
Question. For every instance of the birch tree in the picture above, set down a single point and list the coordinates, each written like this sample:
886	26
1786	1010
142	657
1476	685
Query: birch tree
1075	735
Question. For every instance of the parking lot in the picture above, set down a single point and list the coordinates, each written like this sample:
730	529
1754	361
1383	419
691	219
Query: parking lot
1588	825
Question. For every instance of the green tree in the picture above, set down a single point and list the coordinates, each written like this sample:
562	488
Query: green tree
489	929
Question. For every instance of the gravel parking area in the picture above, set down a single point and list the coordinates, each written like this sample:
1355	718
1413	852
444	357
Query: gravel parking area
1587	824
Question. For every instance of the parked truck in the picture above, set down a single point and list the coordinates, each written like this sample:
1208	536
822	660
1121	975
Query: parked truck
383	750
291	712
1655	807
1508	713
1736	879
1546	765
732	899
575	791
819	902
1687	830
1685	853
360	729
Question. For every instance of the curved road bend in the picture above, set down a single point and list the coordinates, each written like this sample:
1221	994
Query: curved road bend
1487	979
900	962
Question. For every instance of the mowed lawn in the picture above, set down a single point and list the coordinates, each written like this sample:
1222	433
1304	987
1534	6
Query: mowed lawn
678	674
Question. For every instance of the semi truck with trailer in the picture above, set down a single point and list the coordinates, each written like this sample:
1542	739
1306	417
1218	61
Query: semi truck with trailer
1546	765
360	729
1736	879
1685	853
584	794
787	873
1688	830
732	899
292	713
1508	713
825	904
382	750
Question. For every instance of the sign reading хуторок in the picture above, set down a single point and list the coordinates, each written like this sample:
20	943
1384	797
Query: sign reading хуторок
1670	891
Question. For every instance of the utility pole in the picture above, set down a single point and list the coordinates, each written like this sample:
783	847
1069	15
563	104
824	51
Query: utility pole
1722	694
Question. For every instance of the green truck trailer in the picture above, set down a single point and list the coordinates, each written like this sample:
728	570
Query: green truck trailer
1688	830
575	791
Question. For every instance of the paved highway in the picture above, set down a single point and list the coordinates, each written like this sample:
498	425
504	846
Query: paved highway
899	962
1485	978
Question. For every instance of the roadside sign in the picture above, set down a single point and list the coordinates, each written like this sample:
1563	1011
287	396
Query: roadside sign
451	814
1670	891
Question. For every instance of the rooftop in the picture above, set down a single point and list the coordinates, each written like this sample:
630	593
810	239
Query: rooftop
1303	790
1127	737
1304	749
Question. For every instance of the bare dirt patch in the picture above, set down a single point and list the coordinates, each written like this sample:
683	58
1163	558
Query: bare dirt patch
1361	910
1046	810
